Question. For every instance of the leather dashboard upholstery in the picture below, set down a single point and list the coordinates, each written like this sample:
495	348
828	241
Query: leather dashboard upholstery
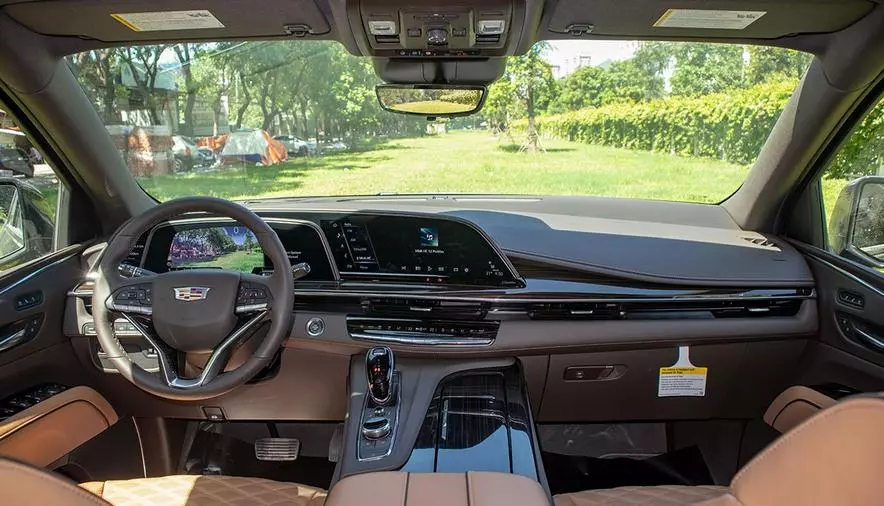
437	489
47	431
795	405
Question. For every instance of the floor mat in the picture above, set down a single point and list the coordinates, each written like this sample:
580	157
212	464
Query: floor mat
230	456
571	473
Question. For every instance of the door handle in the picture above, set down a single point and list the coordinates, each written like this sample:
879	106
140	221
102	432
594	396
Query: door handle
851	328
20	332
12	340
869	338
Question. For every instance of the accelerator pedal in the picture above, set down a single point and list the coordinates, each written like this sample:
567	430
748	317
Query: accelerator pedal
277	449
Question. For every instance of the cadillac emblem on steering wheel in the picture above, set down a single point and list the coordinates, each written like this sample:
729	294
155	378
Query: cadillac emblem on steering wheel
191	293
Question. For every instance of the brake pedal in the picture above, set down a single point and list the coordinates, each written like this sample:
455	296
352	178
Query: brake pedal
277	449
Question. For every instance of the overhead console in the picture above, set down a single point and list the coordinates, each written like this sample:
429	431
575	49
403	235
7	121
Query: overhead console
439	29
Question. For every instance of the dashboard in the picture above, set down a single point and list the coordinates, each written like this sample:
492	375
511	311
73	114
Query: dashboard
388	248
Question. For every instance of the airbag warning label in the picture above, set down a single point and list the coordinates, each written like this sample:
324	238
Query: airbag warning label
168	20
709	19
683	379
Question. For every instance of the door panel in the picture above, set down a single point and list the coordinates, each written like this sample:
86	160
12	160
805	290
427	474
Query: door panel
33	348
850	299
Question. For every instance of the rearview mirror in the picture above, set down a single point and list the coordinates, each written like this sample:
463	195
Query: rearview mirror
856	228
433	100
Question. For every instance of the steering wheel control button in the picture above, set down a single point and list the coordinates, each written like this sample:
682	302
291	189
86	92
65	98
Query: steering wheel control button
133	299
252	297
315	327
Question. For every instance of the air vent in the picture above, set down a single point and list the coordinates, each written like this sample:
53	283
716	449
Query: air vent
576	311
670	310
763	242
419	308
422	332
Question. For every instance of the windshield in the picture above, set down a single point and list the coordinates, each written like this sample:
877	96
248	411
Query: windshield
243	120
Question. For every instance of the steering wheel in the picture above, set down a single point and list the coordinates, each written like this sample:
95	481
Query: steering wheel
197	311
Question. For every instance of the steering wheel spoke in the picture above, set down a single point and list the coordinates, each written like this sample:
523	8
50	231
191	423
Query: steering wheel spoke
169	358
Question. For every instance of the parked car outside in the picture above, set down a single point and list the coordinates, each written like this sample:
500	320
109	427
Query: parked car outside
186	154
333	147
206	157
296	146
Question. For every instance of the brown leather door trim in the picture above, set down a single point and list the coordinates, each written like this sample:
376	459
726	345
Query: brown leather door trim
53	428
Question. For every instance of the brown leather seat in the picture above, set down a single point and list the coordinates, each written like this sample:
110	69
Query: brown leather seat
187	490
24	485
835	457
664	495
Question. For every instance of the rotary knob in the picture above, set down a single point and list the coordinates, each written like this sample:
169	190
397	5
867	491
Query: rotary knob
376	427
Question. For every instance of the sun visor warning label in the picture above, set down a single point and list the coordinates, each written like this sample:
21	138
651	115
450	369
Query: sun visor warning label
707	18
683	379
168	20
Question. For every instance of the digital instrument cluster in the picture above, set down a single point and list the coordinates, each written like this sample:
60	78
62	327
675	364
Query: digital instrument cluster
231	246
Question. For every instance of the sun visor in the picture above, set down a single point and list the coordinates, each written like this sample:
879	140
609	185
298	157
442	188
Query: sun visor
703	19
132	20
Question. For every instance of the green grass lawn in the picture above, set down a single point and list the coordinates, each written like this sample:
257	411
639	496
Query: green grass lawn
239	261
469	162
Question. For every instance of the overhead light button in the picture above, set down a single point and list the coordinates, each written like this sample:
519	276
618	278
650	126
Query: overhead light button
491	27
382	27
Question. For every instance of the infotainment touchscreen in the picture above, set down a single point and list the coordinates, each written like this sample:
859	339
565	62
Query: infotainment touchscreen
418	249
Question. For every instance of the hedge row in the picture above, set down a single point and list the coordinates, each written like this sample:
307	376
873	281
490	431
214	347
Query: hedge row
728	126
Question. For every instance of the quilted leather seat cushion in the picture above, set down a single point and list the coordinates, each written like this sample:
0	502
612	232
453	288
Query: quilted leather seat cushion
664	495
189	490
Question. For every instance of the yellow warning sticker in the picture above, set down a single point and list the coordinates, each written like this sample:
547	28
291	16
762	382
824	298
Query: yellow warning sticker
682	379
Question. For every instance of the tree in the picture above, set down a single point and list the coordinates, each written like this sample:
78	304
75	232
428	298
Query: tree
98	70
585	87
531	78
773	63
143	63
704	68
499	105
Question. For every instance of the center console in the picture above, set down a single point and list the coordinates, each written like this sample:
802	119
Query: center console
424	416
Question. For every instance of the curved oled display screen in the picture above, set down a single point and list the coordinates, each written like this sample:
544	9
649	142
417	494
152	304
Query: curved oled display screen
415	249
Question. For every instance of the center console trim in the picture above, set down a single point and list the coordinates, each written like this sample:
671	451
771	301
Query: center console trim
394	423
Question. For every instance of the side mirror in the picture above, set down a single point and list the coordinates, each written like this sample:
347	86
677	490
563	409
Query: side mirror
15	161
26	224
856	228
431	100
13	243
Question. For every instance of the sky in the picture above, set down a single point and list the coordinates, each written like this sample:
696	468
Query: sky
565	54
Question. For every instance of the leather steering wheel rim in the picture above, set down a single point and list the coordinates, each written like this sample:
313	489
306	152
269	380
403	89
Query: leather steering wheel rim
109	280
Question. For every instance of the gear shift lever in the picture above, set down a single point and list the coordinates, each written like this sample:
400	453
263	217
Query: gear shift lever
379	367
